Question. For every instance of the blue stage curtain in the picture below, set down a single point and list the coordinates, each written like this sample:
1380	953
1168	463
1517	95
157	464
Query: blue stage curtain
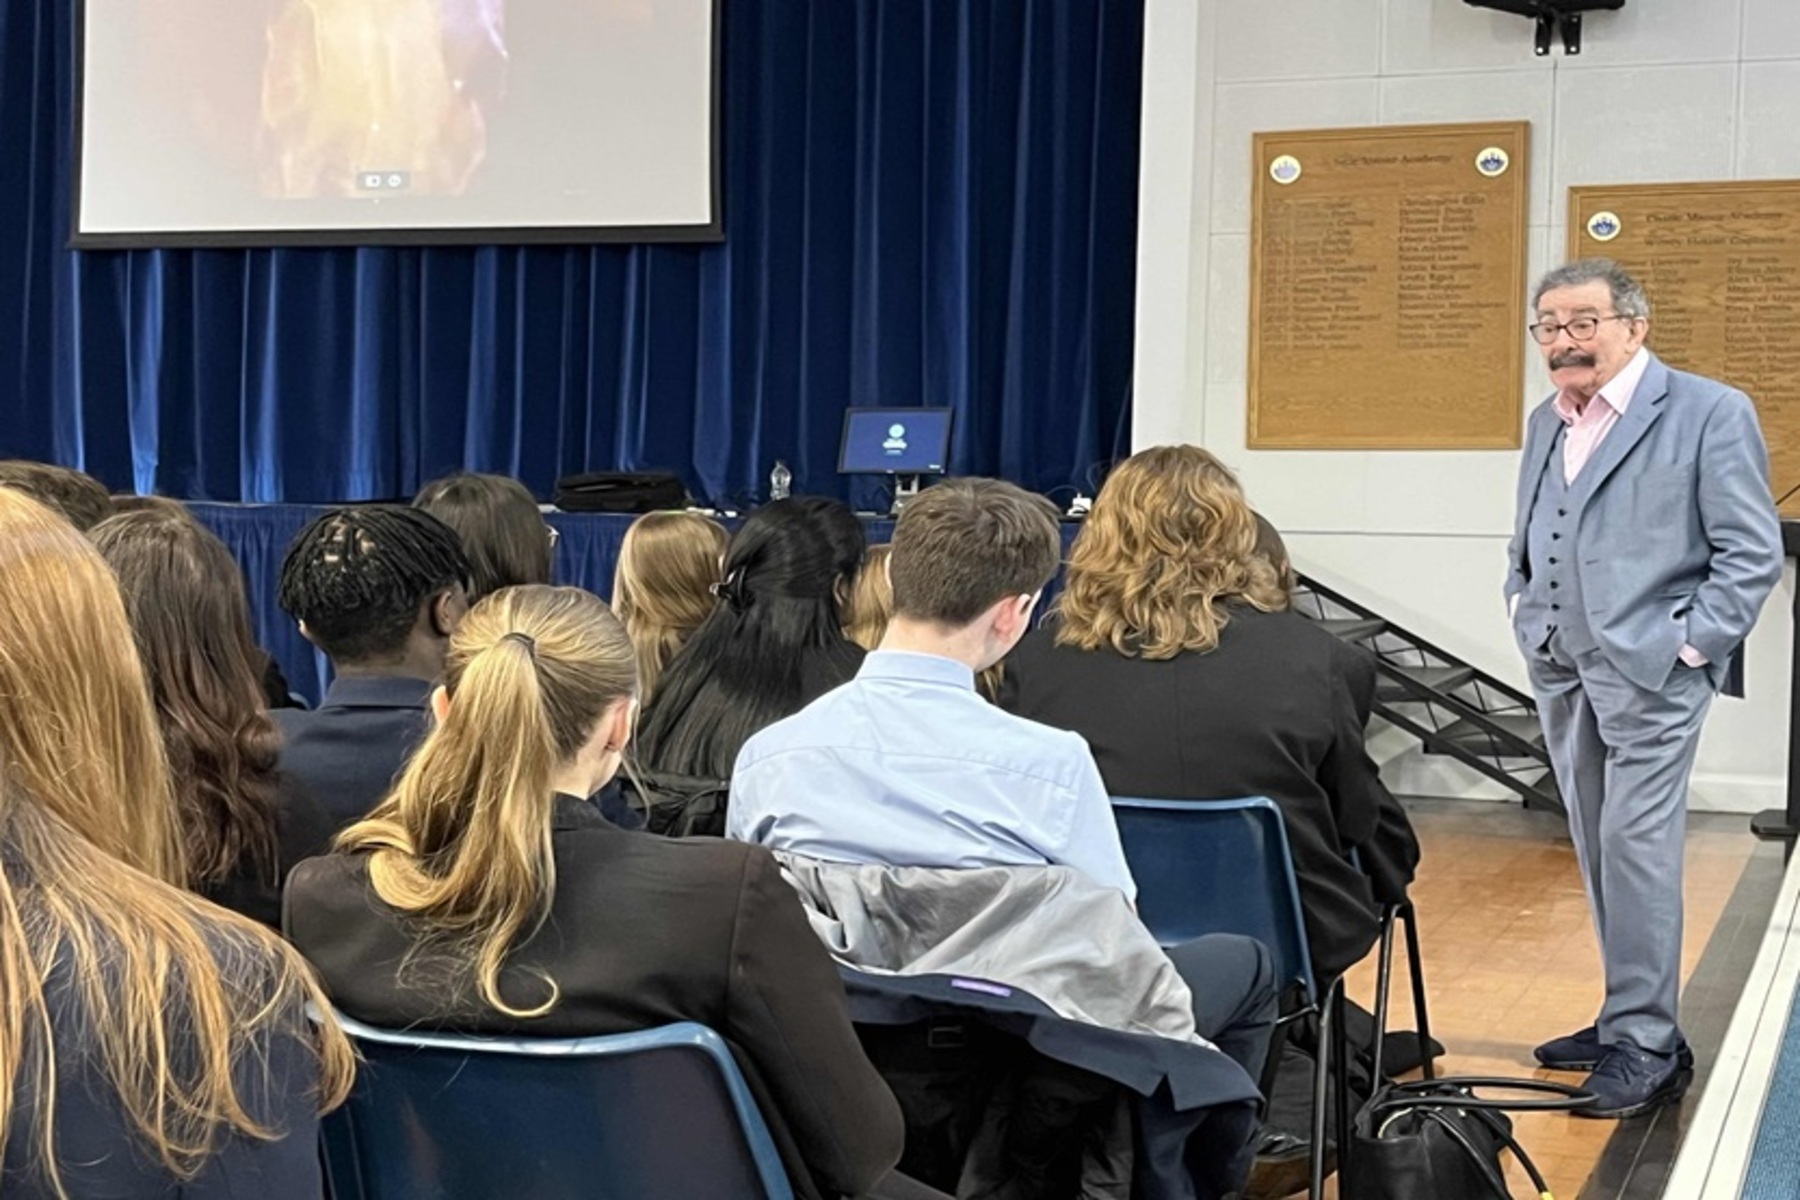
926	202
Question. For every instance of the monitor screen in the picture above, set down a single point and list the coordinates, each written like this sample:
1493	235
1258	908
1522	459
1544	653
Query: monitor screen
895	441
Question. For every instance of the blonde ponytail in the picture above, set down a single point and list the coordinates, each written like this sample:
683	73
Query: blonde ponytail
462	844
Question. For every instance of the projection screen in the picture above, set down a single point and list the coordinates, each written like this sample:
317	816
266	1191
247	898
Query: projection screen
357	122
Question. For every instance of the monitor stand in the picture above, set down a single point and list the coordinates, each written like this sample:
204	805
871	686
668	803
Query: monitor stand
905	488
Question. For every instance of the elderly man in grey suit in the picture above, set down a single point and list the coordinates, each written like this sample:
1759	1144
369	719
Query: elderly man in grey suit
1644	546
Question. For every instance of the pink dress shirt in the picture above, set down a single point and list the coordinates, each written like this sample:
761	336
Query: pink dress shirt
1587	426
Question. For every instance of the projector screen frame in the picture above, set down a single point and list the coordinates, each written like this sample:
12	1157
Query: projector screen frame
711	231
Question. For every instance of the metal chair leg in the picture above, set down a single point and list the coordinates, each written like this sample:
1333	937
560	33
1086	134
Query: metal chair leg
1322	1063
1340	1056
1416	968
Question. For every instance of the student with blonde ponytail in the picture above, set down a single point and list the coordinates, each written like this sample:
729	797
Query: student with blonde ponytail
149	1041
487	894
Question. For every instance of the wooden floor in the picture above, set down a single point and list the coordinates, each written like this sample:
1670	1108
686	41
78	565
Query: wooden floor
1510	961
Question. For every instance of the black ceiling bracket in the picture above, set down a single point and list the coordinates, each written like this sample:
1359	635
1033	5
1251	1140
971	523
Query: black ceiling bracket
1571	31
1546	15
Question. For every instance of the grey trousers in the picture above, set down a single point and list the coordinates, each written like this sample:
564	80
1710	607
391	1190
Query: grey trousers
1622	757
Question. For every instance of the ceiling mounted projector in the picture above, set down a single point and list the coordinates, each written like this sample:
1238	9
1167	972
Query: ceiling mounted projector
1550	15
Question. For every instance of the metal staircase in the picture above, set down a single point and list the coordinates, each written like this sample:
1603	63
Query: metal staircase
1451	707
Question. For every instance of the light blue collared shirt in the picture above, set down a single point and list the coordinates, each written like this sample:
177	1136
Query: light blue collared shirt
906	765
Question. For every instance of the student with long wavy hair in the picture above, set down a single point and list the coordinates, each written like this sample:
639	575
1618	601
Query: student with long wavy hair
243	823
774	643
149	1041
487	895
504	535
662	586
1172	651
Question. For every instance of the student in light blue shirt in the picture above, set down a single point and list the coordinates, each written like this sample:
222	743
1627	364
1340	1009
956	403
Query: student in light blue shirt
907	765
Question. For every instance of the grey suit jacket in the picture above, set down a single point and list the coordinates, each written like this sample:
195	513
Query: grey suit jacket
1677	540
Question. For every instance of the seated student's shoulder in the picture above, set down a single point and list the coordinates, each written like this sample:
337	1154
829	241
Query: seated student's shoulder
330	883
835	719
1295	635
607	862
1032	748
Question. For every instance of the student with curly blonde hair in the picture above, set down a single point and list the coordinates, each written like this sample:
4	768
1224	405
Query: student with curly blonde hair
150	1042
1173	653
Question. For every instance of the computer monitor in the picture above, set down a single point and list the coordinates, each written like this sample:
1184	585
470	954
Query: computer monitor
895	441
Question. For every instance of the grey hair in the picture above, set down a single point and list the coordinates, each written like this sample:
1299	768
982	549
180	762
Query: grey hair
1628	296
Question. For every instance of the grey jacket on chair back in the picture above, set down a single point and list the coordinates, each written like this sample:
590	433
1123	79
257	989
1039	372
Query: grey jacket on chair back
1676	539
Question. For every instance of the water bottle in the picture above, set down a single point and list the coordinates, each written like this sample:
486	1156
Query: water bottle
780	480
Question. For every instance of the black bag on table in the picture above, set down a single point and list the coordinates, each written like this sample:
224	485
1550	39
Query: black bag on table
620	492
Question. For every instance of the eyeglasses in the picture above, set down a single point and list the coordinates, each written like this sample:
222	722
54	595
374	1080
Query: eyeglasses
1581	329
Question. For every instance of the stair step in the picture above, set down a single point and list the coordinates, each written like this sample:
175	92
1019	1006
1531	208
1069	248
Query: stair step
1433	679
1474	736
1353	629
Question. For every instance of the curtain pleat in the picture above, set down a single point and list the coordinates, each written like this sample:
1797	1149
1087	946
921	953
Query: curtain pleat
925	201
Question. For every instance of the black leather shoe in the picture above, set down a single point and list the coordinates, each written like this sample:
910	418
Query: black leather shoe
1630	1081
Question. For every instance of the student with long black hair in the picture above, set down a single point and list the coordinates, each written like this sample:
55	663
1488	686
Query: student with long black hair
774	643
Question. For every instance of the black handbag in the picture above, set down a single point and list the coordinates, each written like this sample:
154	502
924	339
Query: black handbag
1435	1139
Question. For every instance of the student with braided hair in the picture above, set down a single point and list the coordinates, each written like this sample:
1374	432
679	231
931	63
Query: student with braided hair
380	589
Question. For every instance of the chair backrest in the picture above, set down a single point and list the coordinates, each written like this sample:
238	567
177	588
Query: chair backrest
661	1112
1217	866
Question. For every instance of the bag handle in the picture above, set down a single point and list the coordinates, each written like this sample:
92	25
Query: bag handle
1489	1172
1512	1143
1438	1093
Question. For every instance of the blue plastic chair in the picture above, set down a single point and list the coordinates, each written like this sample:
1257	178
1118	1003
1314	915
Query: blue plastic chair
1217	866
1223	866
662	1112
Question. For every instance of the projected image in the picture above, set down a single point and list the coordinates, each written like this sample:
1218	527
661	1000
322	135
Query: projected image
231	117
361	97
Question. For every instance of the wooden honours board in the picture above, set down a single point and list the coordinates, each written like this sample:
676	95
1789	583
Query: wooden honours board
1721	262
1387	287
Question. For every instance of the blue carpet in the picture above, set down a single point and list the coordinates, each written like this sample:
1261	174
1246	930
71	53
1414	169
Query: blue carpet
1775	1159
